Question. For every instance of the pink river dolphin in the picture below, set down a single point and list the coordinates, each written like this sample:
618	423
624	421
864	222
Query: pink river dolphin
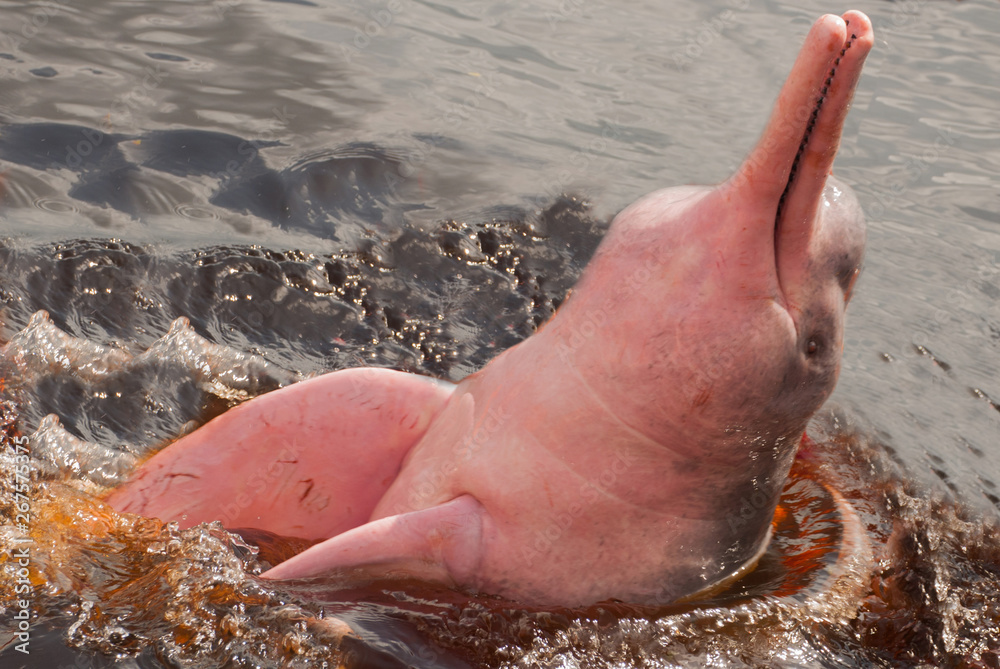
634	448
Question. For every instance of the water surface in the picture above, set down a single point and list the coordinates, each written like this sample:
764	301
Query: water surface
315	185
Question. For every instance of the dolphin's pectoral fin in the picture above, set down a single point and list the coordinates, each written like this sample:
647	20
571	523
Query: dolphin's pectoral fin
310	460
441	544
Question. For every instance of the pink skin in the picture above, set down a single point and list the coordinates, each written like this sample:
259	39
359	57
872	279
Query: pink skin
634	448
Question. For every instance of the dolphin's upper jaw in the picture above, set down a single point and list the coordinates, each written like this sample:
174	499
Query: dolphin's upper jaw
799	147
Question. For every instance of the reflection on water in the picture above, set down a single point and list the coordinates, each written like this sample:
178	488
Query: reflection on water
213	200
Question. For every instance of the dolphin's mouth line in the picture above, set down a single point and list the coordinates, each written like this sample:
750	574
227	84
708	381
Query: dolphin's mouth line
808	133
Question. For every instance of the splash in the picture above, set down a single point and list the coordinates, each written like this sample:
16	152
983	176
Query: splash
865	570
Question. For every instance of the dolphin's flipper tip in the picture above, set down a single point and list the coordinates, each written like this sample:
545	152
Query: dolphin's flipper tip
441	543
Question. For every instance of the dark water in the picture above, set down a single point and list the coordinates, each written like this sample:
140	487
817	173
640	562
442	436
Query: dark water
315	186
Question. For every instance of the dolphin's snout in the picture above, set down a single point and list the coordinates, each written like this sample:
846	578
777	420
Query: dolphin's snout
785	175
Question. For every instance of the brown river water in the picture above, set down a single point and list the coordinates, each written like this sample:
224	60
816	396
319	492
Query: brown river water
207	201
